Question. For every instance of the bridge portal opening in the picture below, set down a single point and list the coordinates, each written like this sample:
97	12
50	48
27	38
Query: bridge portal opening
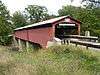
65	29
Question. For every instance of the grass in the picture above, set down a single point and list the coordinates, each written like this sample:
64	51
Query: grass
58	60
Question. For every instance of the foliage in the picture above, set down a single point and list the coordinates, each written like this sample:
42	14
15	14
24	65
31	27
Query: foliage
32	14
67	10
59	60
36	13
91	3
5	23
19	19
5	40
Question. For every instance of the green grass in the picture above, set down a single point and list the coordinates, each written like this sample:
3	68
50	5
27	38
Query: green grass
58	60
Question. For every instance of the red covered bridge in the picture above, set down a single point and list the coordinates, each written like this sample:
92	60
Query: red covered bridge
45	31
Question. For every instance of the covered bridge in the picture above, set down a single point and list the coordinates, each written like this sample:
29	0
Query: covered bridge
45	31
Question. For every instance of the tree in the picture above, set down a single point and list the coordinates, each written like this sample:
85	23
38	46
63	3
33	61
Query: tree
67	10
5	23
36	13
19	19
97	12
91	3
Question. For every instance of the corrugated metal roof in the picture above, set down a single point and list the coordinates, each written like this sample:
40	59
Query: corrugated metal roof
42	23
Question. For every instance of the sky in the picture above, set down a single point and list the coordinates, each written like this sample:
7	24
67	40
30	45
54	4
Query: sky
52	5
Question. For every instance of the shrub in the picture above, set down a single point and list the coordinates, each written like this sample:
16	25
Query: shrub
5	40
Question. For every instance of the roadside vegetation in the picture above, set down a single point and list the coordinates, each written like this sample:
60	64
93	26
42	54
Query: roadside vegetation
58	60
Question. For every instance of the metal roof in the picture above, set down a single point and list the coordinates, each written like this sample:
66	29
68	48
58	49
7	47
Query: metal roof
43	22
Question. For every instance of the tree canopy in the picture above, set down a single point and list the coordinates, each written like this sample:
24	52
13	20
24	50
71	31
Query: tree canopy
36	13
5	23
91	3
19	19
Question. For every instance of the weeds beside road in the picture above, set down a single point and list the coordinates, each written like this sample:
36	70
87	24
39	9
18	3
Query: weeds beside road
58	60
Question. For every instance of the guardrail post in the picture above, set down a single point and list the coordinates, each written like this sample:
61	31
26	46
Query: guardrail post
64	41
87	33
68	42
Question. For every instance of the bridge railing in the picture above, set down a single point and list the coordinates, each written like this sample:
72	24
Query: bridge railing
81	40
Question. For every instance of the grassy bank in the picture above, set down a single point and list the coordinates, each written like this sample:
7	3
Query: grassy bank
59	60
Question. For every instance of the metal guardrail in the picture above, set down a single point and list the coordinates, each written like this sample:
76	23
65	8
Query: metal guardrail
87	44
78	37
81	40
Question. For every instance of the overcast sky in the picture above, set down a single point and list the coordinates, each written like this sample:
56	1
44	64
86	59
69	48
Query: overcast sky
52	5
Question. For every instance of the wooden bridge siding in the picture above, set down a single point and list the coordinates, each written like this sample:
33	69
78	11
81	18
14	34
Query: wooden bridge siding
40	35
22	34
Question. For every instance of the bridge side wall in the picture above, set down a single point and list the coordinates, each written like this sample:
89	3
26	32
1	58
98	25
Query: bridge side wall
38	35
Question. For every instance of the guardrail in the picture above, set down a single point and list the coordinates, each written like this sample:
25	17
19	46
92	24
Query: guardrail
78	40
87	44
87	38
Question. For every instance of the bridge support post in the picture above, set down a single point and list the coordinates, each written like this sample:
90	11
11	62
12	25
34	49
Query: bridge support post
14	41
86	47
76	45
27	45
20	44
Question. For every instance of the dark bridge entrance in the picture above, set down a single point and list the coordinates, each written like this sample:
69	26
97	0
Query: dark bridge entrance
65	29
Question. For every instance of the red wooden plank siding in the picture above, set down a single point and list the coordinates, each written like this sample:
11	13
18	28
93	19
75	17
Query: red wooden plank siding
22	34
40	35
